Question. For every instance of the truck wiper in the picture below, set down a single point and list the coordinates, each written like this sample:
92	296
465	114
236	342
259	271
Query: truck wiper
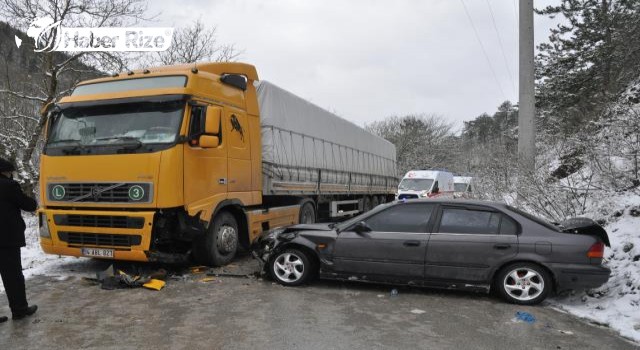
76	146
134	140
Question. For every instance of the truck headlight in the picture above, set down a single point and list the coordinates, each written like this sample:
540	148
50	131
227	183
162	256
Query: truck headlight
44	226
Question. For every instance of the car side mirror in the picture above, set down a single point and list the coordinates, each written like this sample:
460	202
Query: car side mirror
361	228
208	141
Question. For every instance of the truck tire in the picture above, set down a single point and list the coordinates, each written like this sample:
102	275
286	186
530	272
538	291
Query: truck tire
523	283
218	246
307	214
291	267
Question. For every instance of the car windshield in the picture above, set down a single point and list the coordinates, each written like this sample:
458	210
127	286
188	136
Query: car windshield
138	123
534	218
460	186
415	184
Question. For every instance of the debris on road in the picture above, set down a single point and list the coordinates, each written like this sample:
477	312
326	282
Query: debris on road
418	311
522	316
394	292
154	284
208	279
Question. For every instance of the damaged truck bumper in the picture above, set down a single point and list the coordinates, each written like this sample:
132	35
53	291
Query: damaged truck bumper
97	234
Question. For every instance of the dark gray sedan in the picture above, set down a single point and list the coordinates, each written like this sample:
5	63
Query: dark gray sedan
460	244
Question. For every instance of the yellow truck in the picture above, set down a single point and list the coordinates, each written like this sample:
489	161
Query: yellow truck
174	162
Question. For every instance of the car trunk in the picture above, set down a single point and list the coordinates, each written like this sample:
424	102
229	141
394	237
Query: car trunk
584	226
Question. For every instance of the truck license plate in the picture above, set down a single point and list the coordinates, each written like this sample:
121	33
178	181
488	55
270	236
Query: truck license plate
97	253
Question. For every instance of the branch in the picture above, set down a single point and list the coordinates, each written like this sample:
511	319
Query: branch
22	96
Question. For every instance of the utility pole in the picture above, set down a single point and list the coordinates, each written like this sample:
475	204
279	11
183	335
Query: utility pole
526	112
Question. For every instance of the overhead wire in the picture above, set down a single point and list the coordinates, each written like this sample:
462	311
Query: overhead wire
484	51
504	55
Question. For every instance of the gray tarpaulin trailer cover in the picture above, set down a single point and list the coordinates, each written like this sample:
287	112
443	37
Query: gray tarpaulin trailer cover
308	150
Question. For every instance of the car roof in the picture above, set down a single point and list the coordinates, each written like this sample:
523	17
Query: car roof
456	202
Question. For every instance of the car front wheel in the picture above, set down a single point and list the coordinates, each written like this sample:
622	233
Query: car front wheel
523	284
291	267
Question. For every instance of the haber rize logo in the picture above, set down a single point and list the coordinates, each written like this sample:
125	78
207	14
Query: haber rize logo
50	35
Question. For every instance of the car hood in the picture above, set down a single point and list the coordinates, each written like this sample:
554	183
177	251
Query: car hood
585	226
310	227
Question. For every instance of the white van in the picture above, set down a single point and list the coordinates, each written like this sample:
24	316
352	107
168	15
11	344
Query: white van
463	187
426	184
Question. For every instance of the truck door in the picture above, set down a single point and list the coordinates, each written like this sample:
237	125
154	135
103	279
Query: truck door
205	165
239	161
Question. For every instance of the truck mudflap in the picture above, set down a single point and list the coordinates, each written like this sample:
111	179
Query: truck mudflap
585	226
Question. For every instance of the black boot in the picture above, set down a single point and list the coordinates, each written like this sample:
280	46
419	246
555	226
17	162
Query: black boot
26	312
3	319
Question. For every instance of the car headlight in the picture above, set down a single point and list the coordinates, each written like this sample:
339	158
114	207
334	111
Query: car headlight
44	226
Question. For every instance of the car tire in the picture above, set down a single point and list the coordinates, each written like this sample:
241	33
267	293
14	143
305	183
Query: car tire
523	283
307	214
291	267
220	243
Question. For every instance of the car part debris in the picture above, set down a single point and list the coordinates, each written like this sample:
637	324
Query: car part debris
154	284
525	317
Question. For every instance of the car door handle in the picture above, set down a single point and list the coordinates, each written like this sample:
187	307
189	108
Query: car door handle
411	243
502	246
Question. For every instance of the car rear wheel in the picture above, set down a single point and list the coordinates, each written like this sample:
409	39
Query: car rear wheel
523	283
291	267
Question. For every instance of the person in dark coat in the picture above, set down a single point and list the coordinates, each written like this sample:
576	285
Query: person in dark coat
12	201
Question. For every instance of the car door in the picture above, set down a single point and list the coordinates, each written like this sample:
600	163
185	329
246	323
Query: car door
468	242
393	250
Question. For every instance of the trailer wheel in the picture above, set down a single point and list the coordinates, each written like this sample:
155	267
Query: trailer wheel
374	202
307	214
366	204
219	245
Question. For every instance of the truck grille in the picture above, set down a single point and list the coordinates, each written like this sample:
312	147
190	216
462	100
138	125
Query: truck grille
99	221
100	192
99	239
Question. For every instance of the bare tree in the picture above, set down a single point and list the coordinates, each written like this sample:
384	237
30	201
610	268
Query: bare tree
57	73
194	44
422	141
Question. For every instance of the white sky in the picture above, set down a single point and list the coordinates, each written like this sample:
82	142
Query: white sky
366	60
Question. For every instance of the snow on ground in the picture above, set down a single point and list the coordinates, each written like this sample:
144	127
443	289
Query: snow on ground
36	262
617	303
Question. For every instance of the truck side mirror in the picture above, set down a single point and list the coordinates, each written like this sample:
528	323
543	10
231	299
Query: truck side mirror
212	121
208	141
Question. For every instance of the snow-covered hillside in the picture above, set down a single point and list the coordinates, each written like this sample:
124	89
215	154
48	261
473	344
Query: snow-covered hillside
616	304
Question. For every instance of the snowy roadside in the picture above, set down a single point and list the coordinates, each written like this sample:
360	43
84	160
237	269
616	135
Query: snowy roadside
617	303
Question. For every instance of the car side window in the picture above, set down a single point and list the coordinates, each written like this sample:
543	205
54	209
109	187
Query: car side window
508	226
461	220
411	218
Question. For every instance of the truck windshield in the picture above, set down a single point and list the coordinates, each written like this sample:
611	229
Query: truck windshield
415	184
460	186
119	124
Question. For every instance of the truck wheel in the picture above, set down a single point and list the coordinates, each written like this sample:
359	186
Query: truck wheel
307	214
291	267
219	245
374	202
523	283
